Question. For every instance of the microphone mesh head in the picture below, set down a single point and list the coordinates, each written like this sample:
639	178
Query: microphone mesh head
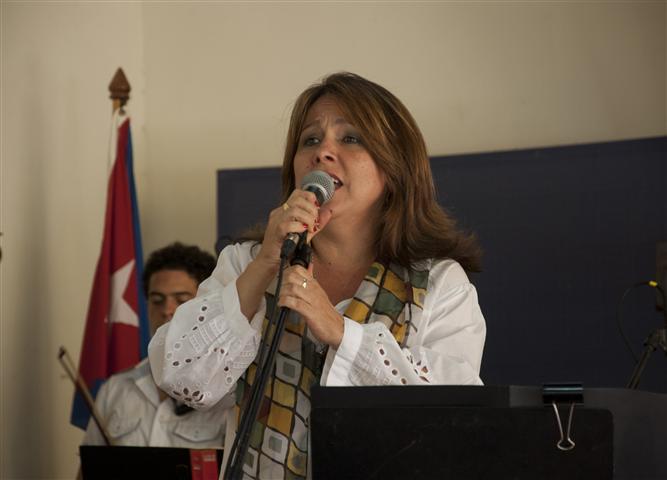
321	184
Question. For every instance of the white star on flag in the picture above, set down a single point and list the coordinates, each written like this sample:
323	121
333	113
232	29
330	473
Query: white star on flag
121	312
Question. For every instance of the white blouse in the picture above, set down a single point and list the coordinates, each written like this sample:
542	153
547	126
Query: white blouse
209	343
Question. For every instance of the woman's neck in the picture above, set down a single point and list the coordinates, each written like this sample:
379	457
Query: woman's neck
340	266
344	250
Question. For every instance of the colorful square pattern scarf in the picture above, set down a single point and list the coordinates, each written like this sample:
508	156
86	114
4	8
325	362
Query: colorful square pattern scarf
390	294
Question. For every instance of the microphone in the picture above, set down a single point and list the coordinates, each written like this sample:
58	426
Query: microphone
322	185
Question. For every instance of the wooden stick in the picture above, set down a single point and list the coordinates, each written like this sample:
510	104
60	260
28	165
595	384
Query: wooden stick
80	385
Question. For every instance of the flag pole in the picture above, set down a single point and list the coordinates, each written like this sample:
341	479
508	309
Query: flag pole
115	339
119	93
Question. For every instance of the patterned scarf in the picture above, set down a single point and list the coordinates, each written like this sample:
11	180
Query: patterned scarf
279	440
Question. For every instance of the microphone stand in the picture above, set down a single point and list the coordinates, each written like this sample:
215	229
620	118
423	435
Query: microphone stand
239	449
657	339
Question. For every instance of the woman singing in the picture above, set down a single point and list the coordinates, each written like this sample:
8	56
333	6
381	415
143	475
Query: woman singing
385	300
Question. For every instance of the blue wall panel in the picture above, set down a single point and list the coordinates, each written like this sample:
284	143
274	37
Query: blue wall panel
565	230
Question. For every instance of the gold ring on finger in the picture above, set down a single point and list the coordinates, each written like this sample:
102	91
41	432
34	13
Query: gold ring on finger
285	206
304	284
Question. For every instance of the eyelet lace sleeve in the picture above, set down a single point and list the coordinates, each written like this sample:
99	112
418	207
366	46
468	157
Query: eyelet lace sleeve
199	355
446	347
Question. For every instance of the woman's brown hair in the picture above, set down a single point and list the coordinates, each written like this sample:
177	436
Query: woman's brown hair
414	226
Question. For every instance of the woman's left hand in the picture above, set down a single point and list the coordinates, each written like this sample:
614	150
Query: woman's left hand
302	293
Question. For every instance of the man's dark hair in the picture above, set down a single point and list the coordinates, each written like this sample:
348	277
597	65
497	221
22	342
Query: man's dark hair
191	259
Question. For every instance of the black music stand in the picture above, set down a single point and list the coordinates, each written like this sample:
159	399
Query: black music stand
483	432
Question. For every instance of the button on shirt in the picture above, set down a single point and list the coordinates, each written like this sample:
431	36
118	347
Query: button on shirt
130	405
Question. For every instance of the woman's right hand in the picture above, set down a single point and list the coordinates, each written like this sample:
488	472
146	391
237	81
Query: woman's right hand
299	213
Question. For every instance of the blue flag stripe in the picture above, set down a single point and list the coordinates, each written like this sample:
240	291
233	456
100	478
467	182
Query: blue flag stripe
144	330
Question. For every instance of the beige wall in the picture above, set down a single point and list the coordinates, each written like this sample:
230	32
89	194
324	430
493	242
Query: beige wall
57	61
212	88
221	79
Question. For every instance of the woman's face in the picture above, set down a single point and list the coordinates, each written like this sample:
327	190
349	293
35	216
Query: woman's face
328	142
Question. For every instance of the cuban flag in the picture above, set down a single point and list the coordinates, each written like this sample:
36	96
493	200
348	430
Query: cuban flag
116	335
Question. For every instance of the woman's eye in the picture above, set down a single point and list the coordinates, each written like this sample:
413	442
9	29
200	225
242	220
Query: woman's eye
310	141
351	139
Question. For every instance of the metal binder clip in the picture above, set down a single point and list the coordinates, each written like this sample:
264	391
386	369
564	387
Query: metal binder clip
554	393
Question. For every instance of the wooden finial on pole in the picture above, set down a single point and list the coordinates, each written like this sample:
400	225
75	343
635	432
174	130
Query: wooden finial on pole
119	90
